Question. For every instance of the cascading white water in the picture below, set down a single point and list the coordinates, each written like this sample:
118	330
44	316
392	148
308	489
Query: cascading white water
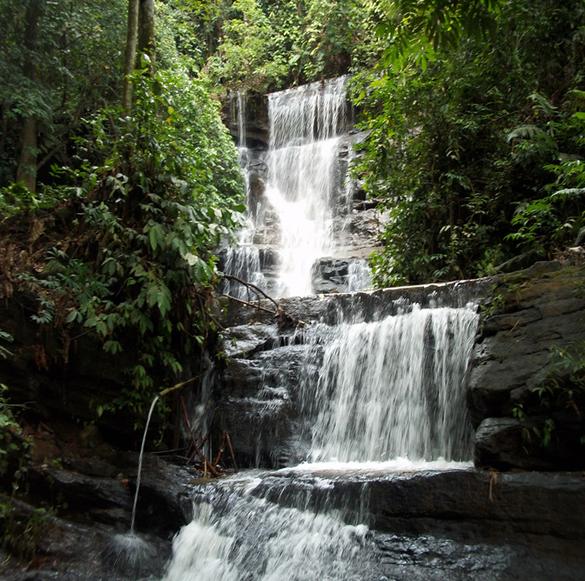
242	260
389	389
392	388
245	537
305	127
359	276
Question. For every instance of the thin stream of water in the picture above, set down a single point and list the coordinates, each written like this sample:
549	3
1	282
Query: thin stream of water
140	458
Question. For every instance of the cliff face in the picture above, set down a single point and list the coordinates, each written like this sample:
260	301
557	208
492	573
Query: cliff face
526	399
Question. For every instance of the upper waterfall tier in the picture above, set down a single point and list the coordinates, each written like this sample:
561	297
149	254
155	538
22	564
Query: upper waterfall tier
309	113
304	228
303	169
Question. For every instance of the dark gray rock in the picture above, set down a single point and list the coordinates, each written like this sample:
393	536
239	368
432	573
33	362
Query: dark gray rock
519	262
163	500
257	123
256	402
329	275
485	504
499	443
245	340
70	550
106	500
531	312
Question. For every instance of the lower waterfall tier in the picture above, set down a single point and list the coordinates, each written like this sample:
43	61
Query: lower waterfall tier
360	525
364	389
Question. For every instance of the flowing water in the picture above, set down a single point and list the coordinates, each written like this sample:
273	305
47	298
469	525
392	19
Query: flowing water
242	259
381	393
307	187
305	133
359	276
392	388
238	535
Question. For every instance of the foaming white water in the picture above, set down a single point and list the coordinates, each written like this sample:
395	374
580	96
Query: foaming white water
242	536
395	465
305	124
201	552
242	260
359	276
393	388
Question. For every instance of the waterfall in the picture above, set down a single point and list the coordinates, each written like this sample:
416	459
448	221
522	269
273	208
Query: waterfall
382	392
303	176
242	260
359	276
392	388
236	535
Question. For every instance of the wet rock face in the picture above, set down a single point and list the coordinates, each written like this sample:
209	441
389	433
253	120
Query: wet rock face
449	524
330	275
531	312
256	405
498	443
257	123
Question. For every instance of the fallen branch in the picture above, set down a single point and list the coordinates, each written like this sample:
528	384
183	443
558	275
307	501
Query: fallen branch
177	386
253	287
279	313
248	304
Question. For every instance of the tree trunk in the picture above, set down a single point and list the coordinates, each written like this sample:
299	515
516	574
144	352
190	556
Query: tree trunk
27	163
130	57
146	30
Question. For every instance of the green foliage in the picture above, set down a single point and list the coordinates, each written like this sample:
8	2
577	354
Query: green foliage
454	147
14	445
72	68
245	51
558	398
417	29
269	45
159	190
553	220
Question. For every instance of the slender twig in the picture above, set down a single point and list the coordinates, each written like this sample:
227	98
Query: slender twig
178	386
220	451
256	289
231	450
248	304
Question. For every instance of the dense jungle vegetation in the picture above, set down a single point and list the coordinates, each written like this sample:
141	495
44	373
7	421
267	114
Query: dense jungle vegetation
118	178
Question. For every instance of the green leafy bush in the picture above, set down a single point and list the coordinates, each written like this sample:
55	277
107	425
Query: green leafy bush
553	411
553	220
160	188
463	132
